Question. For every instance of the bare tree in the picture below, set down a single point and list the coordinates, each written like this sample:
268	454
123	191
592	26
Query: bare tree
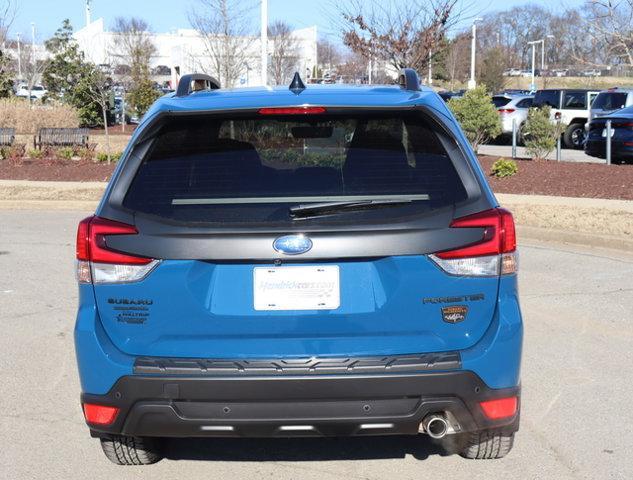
457	60
8	12
403	34
33	66
97	87
329	55
610	23
285	52
133	46
353	69
226	33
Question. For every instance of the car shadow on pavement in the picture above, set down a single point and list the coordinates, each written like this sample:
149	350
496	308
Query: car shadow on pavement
300	449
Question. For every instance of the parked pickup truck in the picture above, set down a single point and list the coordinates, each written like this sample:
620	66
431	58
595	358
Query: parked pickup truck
571	107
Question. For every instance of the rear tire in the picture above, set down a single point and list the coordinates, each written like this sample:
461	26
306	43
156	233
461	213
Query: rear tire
575	136
486	445
122	450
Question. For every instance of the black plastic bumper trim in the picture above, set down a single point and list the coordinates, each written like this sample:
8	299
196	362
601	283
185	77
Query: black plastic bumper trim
265	406
300	366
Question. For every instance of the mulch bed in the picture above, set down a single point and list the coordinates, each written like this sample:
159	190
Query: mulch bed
534	177
56	170
114	130
564	179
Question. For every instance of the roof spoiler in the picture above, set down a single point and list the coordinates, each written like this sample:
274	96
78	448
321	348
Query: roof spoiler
408	79
195	82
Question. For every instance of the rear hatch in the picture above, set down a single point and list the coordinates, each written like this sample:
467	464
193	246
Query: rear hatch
293	233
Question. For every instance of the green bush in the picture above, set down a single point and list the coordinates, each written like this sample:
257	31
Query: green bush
66	153
141	96
477	115
504	168
540	133
102	157
35	153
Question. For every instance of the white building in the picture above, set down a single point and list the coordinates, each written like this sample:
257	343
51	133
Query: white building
183	51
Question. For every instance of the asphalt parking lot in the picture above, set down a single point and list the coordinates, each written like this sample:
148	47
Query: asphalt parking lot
577	380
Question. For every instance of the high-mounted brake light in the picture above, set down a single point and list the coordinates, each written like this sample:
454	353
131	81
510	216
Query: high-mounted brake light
492	255
97	263
292	111
100	414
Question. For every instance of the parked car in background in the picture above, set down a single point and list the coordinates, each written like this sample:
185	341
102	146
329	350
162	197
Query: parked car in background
501	99
571	107
37	91
517	91
621	136
512	72
610	101
447	95
516	110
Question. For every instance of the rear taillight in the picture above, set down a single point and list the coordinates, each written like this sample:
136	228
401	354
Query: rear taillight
506	110
100	414
494	254
622	125
97	263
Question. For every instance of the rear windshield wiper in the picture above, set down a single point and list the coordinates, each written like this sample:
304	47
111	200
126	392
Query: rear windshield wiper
327	208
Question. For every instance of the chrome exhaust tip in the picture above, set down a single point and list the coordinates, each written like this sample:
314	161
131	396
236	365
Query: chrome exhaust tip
435	426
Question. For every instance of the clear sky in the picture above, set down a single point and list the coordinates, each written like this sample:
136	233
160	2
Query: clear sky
164	15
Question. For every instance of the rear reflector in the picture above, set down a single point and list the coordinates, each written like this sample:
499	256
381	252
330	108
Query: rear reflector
100	414
292	111
500	408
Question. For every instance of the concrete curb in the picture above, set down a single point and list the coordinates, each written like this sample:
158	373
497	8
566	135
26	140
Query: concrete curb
574	238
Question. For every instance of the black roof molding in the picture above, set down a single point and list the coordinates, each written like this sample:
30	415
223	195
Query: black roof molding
297	86
186	81
408	79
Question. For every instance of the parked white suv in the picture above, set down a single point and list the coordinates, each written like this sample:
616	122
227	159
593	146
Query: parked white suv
571	107
37	92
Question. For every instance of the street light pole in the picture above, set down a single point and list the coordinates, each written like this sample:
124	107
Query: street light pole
264	42
33	35
472	83
533	44
533	85
18	35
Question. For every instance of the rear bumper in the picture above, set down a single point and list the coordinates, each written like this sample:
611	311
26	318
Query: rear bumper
305	405
598	148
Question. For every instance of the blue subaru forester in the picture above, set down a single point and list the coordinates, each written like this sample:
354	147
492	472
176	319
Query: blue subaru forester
281	262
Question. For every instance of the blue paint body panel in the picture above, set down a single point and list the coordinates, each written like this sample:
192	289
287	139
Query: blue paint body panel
205	309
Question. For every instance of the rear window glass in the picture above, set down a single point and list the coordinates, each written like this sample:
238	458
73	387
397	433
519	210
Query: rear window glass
525	103
500	101
253	169
547	98
609	101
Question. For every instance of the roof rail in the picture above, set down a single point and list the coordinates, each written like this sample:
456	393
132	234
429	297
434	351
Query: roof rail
408	79
200	81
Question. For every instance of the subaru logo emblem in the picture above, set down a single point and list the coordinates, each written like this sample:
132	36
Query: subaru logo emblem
292	244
